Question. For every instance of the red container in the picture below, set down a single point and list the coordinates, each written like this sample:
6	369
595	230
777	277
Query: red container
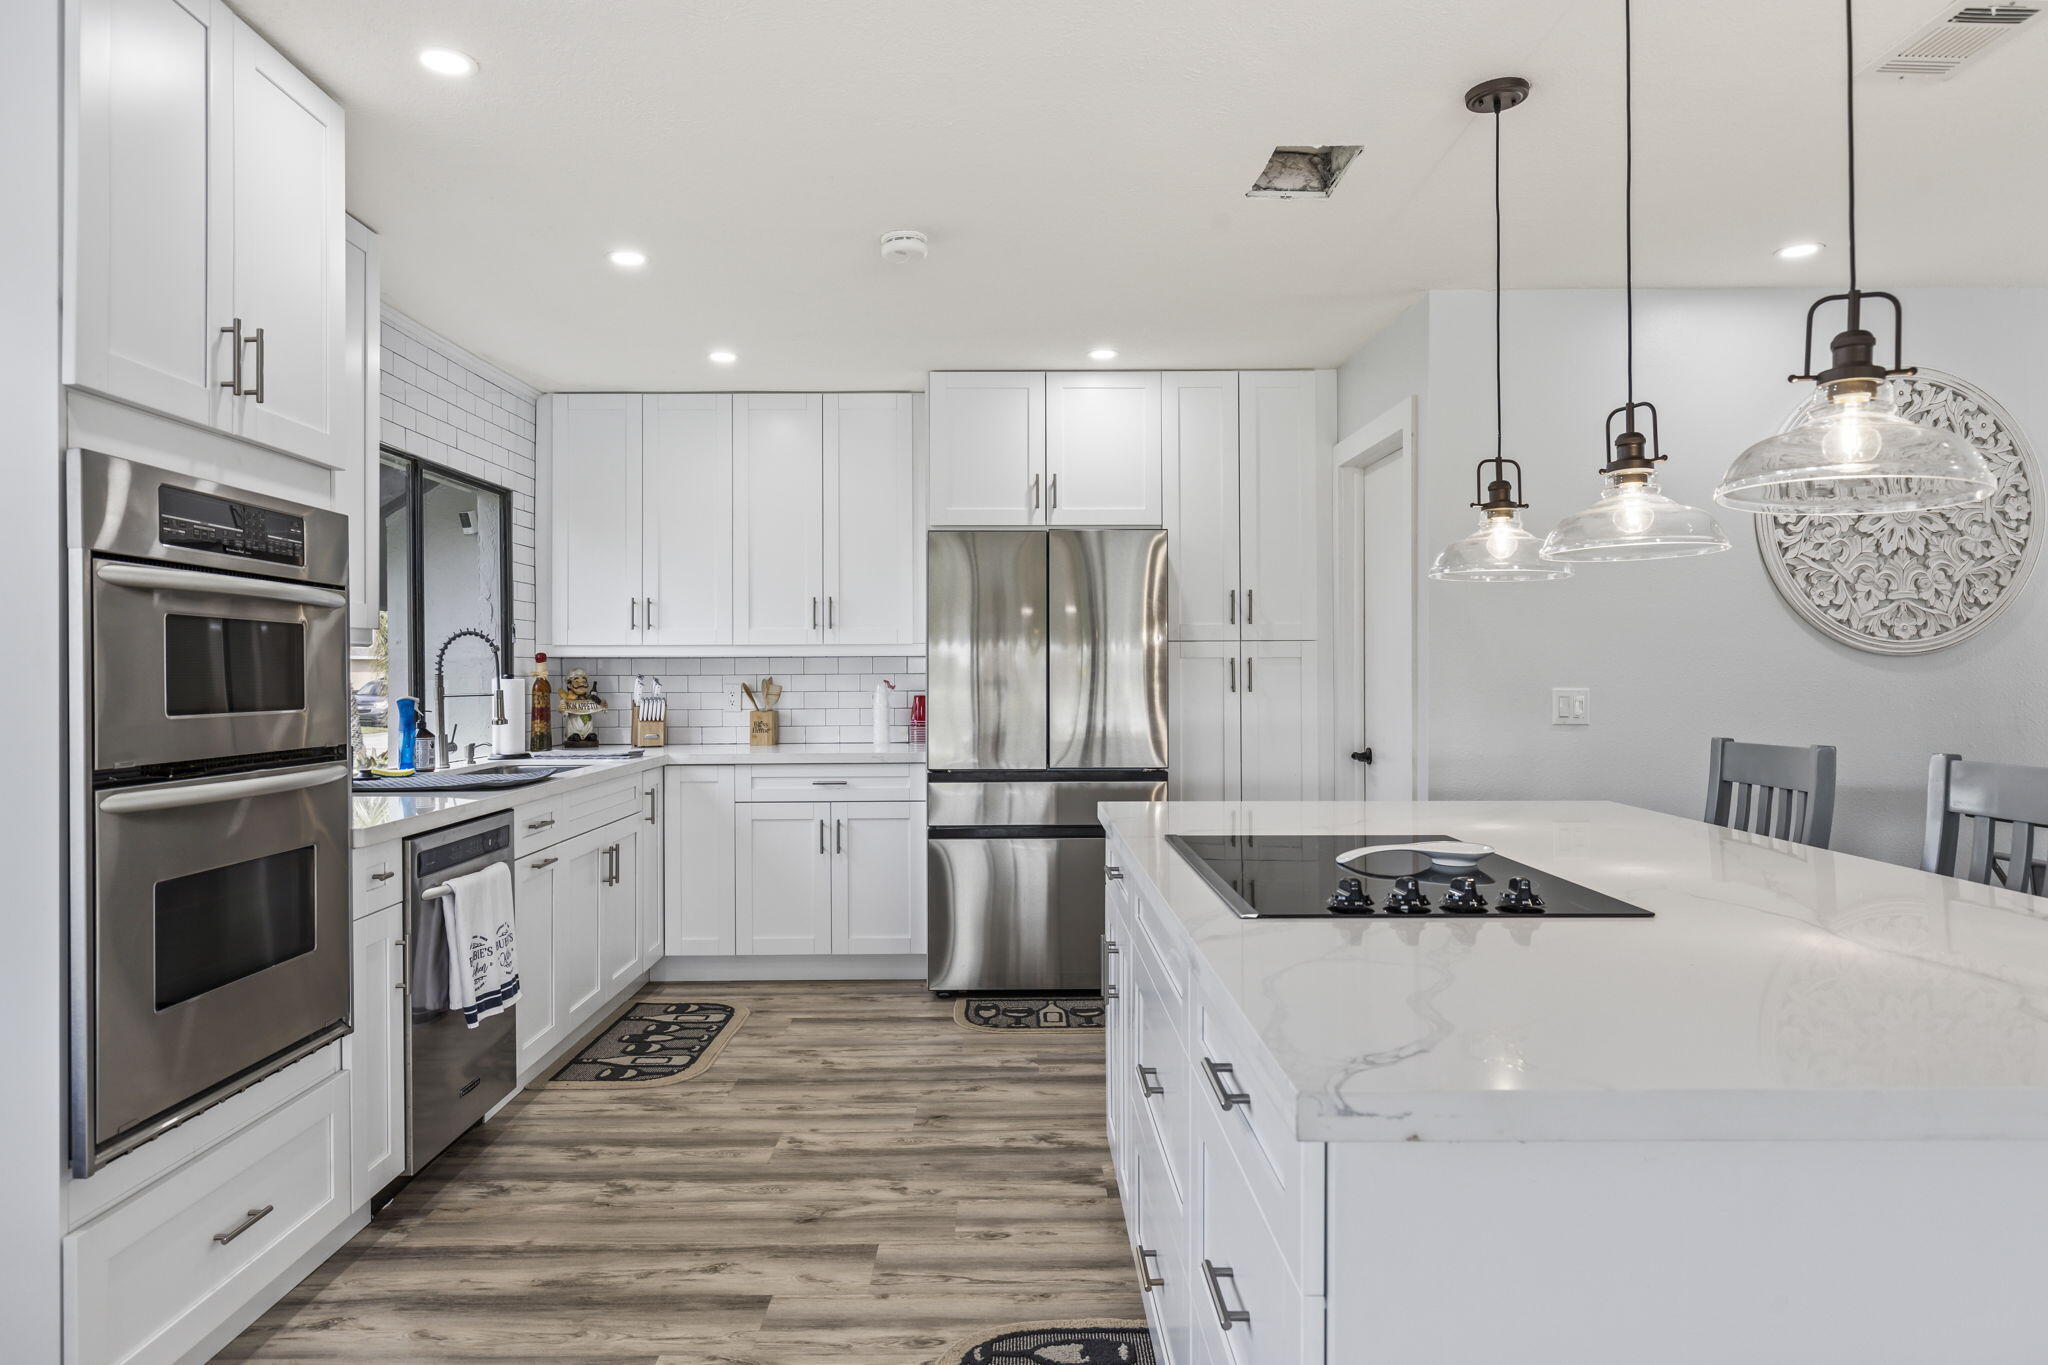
917	718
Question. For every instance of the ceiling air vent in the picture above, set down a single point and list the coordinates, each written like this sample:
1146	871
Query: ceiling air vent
1958	37
1294	172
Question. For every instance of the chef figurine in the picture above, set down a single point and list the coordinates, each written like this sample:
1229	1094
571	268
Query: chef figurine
581	707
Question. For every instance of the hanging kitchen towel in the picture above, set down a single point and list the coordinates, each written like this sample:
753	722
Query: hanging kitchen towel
483	958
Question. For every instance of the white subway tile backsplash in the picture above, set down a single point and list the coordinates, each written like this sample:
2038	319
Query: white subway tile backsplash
826	705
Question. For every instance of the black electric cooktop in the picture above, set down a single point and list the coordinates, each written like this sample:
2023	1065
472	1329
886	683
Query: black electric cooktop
1297	876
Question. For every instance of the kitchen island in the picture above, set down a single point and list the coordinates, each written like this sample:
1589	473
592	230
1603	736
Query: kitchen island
1801	1113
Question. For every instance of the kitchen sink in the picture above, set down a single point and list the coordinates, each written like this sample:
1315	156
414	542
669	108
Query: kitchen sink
483	777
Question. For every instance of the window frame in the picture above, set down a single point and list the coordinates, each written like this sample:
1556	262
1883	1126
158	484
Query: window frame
417	470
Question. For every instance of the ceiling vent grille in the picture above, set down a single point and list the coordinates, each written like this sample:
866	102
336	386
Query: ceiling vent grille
1958	37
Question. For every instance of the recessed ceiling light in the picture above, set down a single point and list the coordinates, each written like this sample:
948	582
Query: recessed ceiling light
1799	251
446	61
1102	353
721	357
627	257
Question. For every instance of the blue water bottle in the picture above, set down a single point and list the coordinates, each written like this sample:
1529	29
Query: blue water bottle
403	724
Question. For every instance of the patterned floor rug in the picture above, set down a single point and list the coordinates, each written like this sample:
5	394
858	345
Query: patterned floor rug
1011	1013
1056	1343
655	1042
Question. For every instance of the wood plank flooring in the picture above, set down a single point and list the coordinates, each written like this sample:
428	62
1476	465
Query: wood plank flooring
857	1181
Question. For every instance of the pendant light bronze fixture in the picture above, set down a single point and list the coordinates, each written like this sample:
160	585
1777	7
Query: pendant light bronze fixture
1850	450
1632	519
1501	550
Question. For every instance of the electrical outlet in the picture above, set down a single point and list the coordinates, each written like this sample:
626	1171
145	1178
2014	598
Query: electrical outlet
1571	705
733	700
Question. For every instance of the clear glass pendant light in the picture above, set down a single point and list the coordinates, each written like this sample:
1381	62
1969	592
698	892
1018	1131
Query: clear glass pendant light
1849	450
1501	550
1632	518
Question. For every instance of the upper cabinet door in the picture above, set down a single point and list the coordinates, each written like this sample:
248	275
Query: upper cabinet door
1281	756
870	522
1102	450
594	453
987	449
687	518
1198	425
148	166
778	496
287	241
1280	474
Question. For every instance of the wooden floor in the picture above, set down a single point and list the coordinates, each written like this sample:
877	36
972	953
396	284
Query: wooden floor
858	1180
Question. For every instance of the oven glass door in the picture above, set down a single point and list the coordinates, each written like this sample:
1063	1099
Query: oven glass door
220	935
189	665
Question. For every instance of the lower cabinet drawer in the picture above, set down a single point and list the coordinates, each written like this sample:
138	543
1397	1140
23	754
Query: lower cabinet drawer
148	1279
843	782
1159	1242
376	872
1243	1289
1160	1078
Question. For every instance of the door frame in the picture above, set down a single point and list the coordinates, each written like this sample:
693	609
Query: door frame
1389	436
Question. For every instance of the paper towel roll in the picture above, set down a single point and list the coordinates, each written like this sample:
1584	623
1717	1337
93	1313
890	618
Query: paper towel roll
512	737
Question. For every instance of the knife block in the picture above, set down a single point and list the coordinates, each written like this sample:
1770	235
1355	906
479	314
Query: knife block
762	728
648	734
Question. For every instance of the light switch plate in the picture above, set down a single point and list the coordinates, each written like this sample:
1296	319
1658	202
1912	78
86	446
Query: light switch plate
1571	705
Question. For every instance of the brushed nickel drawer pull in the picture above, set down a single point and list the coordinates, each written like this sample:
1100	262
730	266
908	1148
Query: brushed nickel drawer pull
1147	1281
233	383
1148	1081
1233	608
544	862
254	1217
1112	873
541	824
1109	950
1225	1314
833	782
262	363
1228	1096
382	876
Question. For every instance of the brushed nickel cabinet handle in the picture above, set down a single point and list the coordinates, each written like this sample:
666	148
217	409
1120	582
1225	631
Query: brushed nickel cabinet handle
1250	608
398	947
814	613
839	836
540	824
653	799
832	782
632	613
650	613
1052	494
233	332
1034	492
1147	1281
1109	950
1148	1081
1228	1096
1233	607
254	1217
544	862
1112	873
1233	673
262	363
1225	1314
1248	666
831	611
821	836
382	876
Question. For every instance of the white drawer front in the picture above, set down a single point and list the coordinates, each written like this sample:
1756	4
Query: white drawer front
378	876
842	782
1243	1290
1245	1096
150	1277
1160	1077
1163	944
1159	1241
536	826
595	807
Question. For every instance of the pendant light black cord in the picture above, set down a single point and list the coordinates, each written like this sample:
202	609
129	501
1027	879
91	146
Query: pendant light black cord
1628	195
1499	422
1849	82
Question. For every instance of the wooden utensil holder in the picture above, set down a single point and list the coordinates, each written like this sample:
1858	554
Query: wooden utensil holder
762	728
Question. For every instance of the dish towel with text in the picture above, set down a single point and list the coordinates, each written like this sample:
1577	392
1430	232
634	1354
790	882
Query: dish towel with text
483	957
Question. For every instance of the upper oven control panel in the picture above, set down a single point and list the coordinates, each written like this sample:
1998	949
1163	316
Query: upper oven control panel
126	510
193	520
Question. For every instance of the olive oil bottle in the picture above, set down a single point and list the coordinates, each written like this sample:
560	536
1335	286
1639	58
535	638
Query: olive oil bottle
541	727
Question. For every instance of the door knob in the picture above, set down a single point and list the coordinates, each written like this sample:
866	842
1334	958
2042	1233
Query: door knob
1362	756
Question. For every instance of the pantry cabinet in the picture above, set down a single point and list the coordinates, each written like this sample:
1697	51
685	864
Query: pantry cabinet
206	275
1029	449
1243	721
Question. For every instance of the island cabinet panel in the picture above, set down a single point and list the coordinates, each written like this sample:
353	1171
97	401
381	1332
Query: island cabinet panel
1160	1246
1245	1292
697	890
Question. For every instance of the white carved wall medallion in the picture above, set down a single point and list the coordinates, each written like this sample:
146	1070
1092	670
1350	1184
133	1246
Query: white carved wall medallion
1910	582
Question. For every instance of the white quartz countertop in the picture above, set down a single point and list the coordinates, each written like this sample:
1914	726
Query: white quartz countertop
376	819
1780	992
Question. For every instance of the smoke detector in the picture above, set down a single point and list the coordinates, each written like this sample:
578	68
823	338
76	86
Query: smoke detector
1955	38
904	245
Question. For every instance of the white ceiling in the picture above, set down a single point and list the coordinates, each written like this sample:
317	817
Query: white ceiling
1081	165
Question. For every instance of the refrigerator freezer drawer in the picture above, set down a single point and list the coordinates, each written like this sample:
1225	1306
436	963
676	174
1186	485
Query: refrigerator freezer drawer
1014	914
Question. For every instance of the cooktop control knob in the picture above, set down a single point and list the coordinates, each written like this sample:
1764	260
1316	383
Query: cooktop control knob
1464	897
1520	899
1407	898
1349	898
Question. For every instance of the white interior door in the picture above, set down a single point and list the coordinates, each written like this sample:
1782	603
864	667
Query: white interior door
148	167
1280	473
777	515
987	449
686	518
289	268
1198	426
594	447
1282	759
783	865
697	827
375	1052
873	910
1387	547
871	530
1102	449
1203	725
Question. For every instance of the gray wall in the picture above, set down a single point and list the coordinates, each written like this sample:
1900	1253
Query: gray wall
1678	651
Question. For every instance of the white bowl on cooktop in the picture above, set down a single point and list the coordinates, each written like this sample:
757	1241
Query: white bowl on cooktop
1451	855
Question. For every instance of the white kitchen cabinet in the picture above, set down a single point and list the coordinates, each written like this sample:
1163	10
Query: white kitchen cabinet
374	1054
874	909
778	535
1102	449
652	846
1198	423
987	449
783	877
1204	721
870	522
686	506
579	978
360	480
537	881
1243	721
697	890
579	933
594	443
1282	474
618	908
287	263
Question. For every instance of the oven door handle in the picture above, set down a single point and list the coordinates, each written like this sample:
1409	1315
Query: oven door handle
193	580
234	789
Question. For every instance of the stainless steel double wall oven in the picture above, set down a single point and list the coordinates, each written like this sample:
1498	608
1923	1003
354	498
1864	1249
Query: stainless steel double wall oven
210	920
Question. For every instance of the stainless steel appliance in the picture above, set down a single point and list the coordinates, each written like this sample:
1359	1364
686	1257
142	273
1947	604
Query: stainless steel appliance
454	1074
1047	668
211	807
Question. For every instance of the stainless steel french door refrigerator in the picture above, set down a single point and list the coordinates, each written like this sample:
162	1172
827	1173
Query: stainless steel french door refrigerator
1047	694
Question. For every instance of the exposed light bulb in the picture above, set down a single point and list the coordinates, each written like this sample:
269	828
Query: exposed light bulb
1852	440
1634	513
1500	538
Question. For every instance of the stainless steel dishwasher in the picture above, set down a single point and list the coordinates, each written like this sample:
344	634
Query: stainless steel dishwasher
454	1074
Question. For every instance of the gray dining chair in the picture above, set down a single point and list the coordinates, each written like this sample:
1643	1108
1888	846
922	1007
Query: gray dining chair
1986	795
1778	790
